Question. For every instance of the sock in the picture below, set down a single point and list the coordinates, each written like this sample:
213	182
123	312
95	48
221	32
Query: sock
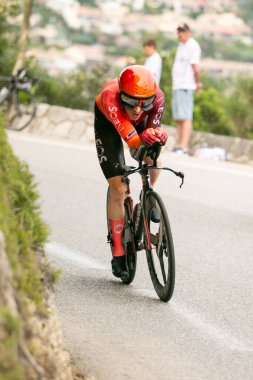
117	227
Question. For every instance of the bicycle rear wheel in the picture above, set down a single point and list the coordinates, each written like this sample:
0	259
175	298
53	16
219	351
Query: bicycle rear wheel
159	247
23	110
128	241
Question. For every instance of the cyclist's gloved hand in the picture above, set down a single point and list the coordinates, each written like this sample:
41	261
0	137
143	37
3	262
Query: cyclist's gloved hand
161	134
148	136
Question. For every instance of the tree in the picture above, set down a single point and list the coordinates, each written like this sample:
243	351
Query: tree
8	9
23	37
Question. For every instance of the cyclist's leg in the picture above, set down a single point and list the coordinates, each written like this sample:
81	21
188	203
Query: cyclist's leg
116	213
111	158
116	216
117	191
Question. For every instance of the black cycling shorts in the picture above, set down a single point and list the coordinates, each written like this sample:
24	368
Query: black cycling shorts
109	145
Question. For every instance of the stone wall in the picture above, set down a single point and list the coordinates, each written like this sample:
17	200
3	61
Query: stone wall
77	125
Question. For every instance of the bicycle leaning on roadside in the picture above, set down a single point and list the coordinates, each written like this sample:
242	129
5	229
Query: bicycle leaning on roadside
140	232
17	100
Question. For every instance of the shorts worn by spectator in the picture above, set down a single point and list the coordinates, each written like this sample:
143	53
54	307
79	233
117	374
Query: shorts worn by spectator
125	108
185	81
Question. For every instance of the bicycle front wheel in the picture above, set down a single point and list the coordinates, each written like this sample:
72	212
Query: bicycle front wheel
159	247
24	110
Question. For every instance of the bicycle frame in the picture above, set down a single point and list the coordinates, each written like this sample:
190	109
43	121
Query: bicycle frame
140	221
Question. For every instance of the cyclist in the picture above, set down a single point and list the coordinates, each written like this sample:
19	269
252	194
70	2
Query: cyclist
129	107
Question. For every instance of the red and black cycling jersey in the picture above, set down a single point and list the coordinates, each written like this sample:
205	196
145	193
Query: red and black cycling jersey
108	102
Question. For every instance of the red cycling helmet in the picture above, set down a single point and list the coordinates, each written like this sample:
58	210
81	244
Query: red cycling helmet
137	82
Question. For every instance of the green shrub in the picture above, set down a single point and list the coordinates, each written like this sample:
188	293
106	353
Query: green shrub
20	221
210	114
25	233
77	90
240	107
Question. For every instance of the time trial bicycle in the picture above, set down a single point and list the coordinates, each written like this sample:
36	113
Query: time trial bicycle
140	232
17	100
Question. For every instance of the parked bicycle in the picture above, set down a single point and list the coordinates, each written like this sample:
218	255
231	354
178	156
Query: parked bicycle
17	100
140	232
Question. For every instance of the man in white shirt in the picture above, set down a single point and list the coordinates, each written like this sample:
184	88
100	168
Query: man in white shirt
185	81
153	61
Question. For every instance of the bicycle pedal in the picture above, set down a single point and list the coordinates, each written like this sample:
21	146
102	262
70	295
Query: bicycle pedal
139	246
109	239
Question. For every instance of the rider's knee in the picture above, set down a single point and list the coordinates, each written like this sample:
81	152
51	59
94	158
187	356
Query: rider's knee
159	162
149	161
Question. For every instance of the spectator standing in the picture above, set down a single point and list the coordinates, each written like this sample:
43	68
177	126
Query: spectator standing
185	81
153	61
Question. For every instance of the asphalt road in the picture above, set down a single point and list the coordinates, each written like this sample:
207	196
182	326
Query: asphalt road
118	332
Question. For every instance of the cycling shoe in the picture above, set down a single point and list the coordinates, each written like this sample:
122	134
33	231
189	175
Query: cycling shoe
119	266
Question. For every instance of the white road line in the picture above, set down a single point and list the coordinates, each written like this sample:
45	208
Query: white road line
219	335
224	338
63	144
77	258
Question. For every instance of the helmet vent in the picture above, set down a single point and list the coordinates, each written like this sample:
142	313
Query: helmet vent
141	90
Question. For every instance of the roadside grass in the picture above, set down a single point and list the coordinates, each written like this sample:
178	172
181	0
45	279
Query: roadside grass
20	220
25	234
10	366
